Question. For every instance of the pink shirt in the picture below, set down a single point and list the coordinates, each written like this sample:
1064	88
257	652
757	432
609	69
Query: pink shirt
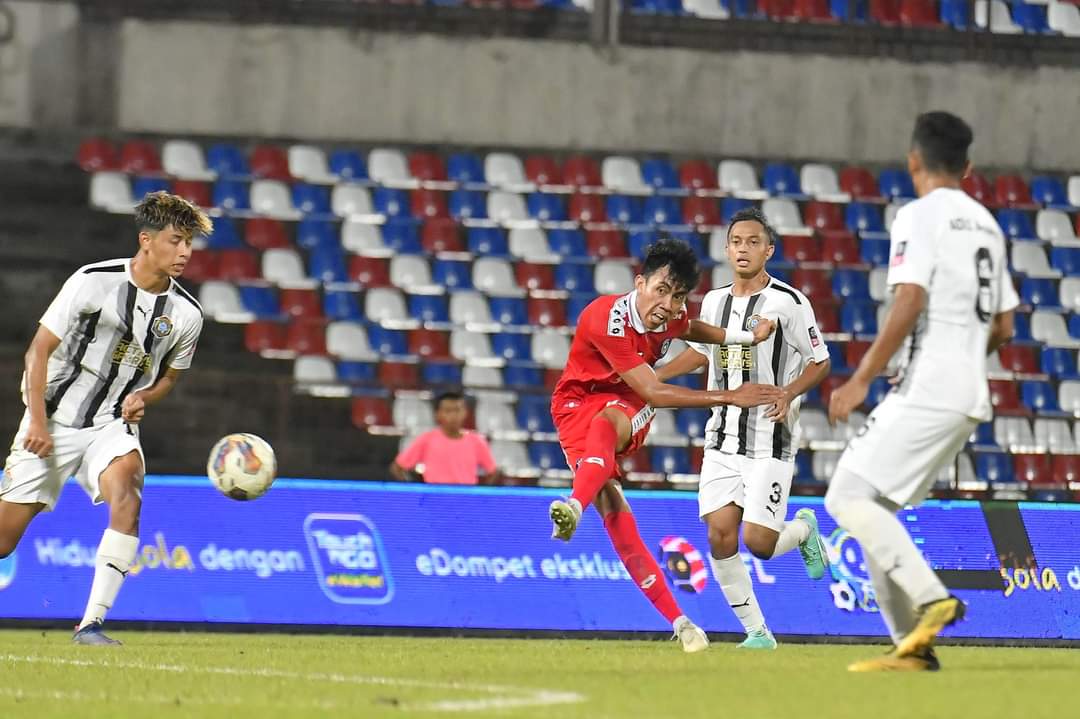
448	461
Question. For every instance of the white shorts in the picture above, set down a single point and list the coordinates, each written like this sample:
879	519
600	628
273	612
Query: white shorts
84	453
901	448
760	486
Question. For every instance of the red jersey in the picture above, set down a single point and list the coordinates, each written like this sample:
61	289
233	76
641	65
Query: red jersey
611	338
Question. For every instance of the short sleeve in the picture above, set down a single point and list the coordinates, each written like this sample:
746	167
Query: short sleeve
68	304
185	348
708	314
614	343
413	454
1007	297
484	459
805	335
911	252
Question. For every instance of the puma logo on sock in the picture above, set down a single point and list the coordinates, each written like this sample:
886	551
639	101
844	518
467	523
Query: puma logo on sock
110	565
744	604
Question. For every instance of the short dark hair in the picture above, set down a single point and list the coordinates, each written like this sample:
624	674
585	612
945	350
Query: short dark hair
158	210
752	214
942	140
449	395
678	256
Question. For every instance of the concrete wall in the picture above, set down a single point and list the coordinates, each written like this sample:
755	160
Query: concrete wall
38	67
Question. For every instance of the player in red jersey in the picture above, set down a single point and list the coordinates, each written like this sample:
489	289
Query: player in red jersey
604	402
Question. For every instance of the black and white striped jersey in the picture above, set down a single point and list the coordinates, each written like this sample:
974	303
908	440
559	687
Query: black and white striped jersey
778	360
115	338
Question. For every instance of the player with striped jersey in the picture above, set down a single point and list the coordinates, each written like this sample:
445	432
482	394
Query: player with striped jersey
113	341
749	453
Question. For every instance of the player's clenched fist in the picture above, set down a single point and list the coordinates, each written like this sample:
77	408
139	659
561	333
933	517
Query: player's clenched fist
761	328
38	440
133	408
753	395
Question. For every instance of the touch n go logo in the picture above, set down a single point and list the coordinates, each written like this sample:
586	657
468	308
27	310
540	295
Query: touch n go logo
7	571
349	558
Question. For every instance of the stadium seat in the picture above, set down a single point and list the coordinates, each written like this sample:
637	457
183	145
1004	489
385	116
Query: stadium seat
441	235
327	264
698	210
730	205
567	243
531	276
270	162
341	305
574	277
1065	469
1054	435
862	217
494	416
545	207
300	302
1059	363
396	375
470	205
469	307
802	248
697	174
1016	224
819	215
465	168
738	178
587	208
348	166
979	188
534	414
840	247
661	210
1054	226
994	468
315	234
885	12
1069	293
494	277
813	283
306	336
896	184
1039	291
815	179
1013	433
428	204
308	163
409	271
547	456
388	166
263	233
427	167
1029	258
543	170
670	460
613	277
184	159
1005	397
311	369
111	191
487	241
371	412
605	243
1012	191
1022	327
506	207
622	174
859	318
550	348
1038	396
430	345
891	211
139	157
1019	358
858	181
919	14
504	169
781	180
428	308
1049	192
264	336
581	171
659	175
547	312
283	265
271	198
452	274
227	161
441	374
369	271
260	300
624	209
511	347
385	304
955	14
349	341
413	413
364	238
388	201
1063	16
143	186
875	252
851	285
98	155
1032	18
387	342
783	214
194	191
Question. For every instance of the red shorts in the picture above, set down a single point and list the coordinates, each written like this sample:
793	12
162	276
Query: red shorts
572	416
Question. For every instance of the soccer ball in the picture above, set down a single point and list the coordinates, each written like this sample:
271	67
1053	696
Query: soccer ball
242	466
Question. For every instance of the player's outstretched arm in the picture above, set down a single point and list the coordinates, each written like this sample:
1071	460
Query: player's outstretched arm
689	361
642	379
38	440
705	333
135	404
910	301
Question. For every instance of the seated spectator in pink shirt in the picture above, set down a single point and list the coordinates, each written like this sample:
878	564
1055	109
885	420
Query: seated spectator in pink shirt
449	454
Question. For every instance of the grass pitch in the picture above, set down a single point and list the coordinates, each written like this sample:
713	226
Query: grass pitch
164	675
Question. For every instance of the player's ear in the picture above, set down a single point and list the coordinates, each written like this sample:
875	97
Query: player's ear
914	161
968	168
639	283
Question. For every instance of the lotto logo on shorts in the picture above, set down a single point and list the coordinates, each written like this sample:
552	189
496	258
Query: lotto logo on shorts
683	564
349	558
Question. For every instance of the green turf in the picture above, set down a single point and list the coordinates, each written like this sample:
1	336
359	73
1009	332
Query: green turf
166	675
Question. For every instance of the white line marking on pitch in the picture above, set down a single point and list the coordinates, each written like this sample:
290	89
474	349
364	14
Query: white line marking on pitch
504	697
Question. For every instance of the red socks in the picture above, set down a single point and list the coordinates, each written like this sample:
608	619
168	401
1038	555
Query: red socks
643	569
598	464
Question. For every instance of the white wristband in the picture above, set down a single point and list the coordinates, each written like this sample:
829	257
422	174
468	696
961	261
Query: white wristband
738	337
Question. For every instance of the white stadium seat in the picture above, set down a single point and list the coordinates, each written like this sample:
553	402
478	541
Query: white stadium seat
388	167
185	160
1000	20
469	346
707	9
783	214
1030	258
1013	433
385	304
363	238
282	265
622	174
550	348
1054	226
481	377
503	206
409	271
469	307
819	180
503	169
738	177
494	415
310	369
527	242
111	191
308	163
221	300
1054	435
494	277
348	199
612	277
1064	17
413	414
349	341
271	198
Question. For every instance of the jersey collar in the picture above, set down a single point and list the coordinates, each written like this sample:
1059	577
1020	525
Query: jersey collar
127	273
635	319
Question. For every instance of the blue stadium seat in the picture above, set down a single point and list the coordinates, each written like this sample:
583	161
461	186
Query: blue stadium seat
143	186
875	251
842	10
391	202
357	372
512	346
523	374
312	233
660	174
984	435
1060	363
225	235
230	195
311	199
690	381
638	242
227	161
812	398
465	168
859	318
730	205
672	460
575	304
954	13
879	387
1040	291
452	274
692	238
342	305
896	184
429	308
546	207
574	277
851	284
625	210
441	373
658	7
402	235
328	265
260	300
1032	18
349	165
1065	259
1039	396
1022	328
534	413
567	243
662	210
509	310
804	469
387	342
691	422
775	270
1016	224
487	241
863	217
1049	191
837	356
547	455
781	179
994	467
468	205
743	8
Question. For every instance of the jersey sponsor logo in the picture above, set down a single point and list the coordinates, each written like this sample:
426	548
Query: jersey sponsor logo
898	258
815	341
162	326
349	558
734	357
131	354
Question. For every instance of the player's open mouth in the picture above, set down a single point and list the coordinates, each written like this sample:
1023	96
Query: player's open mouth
659	317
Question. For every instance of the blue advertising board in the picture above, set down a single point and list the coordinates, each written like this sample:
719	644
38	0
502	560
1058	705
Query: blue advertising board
407	555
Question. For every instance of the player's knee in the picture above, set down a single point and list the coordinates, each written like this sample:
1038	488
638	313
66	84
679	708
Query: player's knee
723	542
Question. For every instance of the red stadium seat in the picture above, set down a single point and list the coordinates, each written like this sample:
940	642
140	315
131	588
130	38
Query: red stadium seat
813	283
300	302
1066	468
885	12
441	235
194	191
698	210
1034	469
1077	223
812	11
697	458
532	276
97	154
1012	191
427	166
587	208
306	336
271	162
697	175
777	9
979	187
369	271
238	265
1019	358
262	335
825	308
139	157
427	204
637	462
802	248
860	183
429	344
919	13
1005	397
605	243
543	170
823	215
371	412
202	266
829	384
854	352
399	375
693	306
547	312
581	171
264	233
840	247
